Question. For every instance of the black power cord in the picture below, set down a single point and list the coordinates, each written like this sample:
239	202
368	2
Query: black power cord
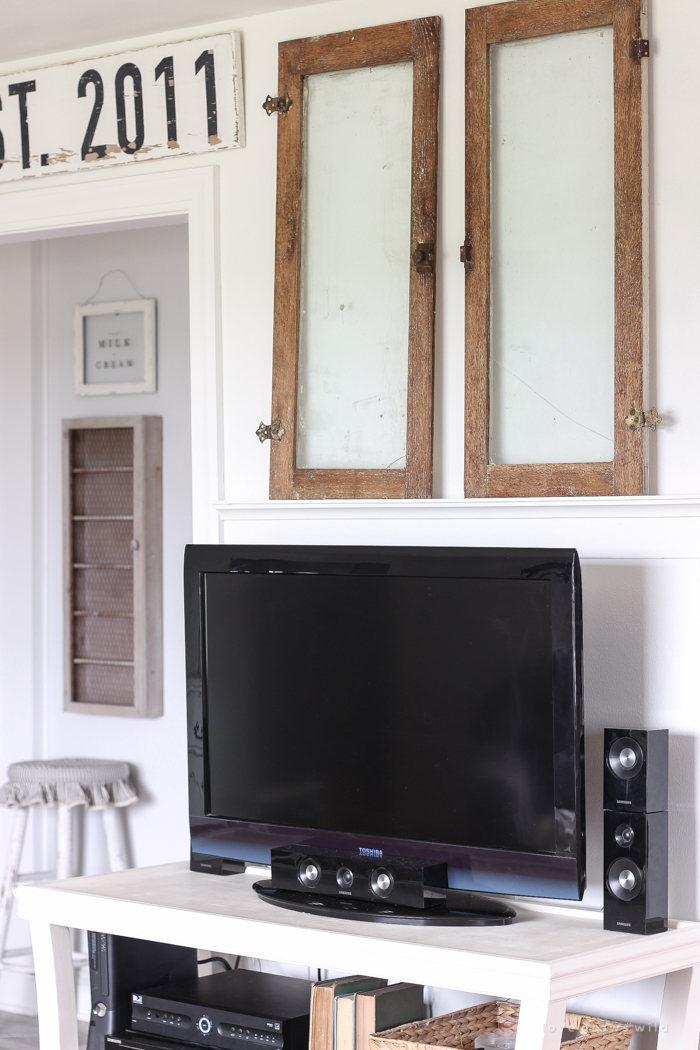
220	959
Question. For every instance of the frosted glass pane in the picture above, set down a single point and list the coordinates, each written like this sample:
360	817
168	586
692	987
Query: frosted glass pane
553	242
356	230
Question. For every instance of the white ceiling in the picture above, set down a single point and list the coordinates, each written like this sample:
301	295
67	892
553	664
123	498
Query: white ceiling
39	27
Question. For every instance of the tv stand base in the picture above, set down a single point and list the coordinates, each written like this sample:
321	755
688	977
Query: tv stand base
460	908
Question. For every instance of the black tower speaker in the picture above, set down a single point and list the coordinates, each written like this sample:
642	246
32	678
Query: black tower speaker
120	966
635	830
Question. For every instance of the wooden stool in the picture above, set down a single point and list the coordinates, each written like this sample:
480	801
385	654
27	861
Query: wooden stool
63	782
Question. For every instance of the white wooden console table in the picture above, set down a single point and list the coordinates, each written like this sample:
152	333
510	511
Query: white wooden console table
547	956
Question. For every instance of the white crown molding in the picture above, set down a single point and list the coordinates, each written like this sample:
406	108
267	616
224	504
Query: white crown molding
618	528
571	507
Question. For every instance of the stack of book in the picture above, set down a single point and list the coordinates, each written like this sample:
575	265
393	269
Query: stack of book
345	1012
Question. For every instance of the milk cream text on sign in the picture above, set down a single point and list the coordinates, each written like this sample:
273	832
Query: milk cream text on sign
121	109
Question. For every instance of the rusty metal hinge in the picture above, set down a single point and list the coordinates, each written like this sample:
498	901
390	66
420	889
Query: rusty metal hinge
282	105
273	431
424	257
637	419
640	48
465	255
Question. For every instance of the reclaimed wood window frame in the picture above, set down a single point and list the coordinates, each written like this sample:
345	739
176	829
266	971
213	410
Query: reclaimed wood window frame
626	474
416	41
112	553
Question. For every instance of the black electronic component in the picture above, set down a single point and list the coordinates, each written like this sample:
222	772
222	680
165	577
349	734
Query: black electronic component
420	703
118	966
215	865
128	1040
238	1009
635	834
340	873
635	850
635	775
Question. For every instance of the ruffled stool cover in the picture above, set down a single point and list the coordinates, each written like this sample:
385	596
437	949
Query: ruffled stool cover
92	782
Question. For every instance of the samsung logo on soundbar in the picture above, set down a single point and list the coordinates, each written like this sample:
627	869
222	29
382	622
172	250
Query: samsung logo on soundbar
364	852
623	802
623	923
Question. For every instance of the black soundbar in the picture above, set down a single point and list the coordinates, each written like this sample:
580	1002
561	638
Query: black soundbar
362	875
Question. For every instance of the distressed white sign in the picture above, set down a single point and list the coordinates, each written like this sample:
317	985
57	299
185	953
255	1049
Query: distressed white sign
121	109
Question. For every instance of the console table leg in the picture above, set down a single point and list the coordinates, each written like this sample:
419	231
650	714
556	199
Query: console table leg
540	1025
679	1027
55	986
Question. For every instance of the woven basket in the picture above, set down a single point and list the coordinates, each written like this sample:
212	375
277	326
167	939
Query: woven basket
460	1029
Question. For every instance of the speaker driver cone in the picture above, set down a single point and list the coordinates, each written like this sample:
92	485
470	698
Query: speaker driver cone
309	873
345	878
381	882
624	879
625	758
624	835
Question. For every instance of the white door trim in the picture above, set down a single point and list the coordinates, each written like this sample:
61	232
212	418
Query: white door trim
64	207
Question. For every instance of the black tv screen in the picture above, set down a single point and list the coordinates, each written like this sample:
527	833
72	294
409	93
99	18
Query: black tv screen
424	702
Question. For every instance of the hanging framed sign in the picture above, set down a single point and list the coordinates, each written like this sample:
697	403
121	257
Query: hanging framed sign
115	347
160	101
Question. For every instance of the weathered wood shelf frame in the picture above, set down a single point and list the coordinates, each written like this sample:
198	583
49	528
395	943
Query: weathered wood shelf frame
626	475
417	41
147	568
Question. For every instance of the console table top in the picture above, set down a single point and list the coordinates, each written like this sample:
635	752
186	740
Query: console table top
549	952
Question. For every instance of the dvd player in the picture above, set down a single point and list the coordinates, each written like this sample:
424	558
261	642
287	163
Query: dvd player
228	1010
131	1041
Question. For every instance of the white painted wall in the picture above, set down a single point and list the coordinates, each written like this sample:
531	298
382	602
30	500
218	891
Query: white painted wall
156	262
64	272
641	557
20	718
16	448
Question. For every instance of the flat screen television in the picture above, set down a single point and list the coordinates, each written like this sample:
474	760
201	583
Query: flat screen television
419	702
